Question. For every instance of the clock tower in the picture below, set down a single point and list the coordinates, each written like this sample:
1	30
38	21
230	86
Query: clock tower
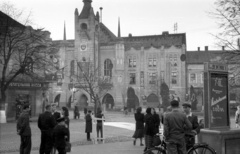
86	34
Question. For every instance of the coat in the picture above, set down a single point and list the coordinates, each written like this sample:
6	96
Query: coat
59	134
23	125
149	125
88	119
195	125
156	119
46	121
139	117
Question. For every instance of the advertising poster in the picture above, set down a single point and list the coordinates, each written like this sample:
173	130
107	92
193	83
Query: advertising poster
219	100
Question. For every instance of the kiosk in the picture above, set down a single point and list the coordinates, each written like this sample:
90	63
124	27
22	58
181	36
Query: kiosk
217	132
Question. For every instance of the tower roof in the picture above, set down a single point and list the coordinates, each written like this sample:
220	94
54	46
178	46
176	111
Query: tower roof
86	9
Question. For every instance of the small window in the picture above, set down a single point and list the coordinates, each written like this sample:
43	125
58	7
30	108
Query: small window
193	78
108	67
132	78
84	26
152	78
29	65
174	77
132	61
152	61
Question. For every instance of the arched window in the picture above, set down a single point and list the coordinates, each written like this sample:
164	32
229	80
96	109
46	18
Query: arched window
28	65
72	68
108	67
84	26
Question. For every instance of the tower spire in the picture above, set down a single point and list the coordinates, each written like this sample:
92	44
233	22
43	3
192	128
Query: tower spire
119	29
64	32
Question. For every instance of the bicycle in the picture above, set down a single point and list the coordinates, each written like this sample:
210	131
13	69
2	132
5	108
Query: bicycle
197	148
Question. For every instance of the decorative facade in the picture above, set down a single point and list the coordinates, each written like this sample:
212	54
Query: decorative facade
140	62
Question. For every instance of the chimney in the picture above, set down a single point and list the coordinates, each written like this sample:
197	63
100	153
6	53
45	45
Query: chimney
198	48
206	48
223	48
165	33
129	35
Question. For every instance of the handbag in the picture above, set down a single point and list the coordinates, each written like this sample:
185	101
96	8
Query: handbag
156	140
68	147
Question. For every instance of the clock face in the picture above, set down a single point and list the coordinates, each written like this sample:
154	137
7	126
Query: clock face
83	47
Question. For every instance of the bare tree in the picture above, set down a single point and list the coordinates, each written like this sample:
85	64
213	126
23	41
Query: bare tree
89	80
227	13
24	51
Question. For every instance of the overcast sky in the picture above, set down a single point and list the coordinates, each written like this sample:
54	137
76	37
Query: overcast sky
138	17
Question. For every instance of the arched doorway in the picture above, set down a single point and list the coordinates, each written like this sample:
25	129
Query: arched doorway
153	101
132	99
109	101
83	101
57	99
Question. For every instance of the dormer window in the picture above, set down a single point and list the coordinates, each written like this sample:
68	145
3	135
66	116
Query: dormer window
84	26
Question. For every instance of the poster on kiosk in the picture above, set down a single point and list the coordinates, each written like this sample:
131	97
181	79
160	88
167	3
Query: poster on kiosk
216	95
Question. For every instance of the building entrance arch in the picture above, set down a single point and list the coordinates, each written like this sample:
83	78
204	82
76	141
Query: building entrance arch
153	100
57	99
109	101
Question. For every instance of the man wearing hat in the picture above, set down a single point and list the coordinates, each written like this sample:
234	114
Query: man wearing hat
24	130
190	134
60	134
175	122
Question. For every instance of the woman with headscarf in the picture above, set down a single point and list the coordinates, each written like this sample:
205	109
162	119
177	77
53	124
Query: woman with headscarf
139	131
149	128
65	114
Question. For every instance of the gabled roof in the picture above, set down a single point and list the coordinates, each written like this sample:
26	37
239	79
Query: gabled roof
106	35
6	20
67	43
199	57
156	41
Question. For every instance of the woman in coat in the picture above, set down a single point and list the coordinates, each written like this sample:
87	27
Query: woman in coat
139	131
156	121
88	129
149	128
65	115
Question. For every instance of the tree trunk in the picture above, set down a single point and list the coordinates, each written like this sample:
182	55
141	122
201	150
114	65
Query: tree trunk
3	107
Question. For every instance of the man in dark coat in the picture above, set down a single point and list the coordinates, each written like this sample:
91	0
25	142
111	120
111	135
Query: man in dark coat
88	129
46	123
190	134
60	134
24	130
175	124
149	128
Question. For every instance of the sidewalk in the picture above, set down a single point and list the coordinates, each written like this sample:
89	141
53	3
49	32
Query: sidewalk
107	148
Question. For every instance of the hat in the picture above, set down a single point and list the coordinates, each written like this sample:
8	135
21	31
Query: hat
174	103
60	119
187	105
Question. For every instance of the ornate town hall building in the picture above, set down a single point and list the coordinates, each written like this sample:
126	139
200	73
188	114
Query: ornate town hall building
140	62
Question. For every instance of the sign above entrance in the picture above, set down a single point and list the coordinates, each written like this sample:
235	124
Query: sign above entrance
26	84
215	67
